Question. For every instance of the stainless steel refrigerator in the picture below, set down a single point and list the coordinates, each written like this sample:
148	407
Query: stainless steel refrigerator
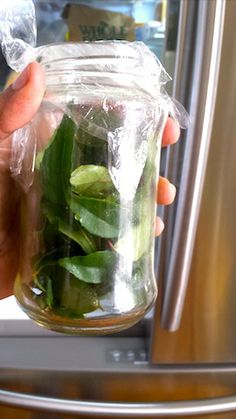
180	360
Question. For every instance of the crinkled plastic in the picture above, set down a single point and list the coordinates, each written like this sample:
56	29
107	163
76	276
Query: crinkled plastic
17	32
105	65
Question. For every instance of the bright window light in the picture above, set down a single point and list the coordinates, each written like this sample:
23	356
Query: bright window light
9	309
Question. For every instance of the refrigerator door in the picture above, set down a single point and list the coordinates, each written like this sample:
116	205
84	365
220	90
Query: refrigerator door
206	332
52	377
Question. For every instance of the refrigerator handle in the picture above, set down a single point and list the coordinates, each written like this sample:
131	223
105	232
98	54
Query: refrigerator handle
110	409
181	228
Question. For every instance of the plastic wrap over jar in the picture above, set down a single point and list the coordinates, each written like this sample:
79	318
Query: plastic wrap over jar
88	208
18	32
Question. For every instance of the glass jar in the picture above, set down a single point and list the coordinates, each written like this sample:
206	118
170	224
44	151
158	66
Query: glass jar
88	207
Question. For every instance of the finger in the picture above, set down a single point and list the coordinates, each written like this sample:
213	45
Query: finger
9	234
171	133
166	191
159	227
21	100
8	264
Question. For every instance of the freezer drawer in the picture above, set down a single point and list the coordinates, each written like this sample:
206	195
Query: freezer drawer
60	377
148	392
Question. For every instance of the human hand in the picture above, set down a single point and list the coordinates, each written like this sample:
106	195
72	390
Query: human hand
18	104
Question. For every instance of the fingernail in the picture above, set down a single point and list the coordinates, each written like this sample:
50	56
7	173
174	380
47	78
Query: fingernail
159	226
22	80
172	190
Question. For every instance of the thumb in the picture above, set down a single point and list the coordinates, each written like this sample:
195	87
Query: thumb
21	100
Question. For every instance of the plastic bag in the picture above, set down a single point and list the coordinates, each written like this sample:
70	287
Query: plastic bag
130	64
18	32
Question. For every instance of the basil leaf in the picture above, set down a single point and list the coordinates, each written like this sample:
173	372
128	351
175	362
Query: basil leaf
91	180
98	216
55	167
94	268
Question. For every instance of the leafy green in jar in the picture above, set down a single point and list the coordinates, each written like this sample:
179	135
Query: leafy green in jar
55	167
81	247
76	296
91	180
98	216
94	268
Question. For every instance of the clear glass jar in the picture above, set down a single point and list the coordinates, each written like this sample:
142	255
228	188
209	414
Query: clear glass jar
88	211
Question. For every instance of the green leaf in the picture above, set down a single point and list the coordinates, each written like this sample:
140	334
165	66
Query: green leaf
91	180
48	259
67	225
49	293
136	241
138	238
66	296
56	164
77	233
38	284
39	159
98	216
94	268
77	296
51	211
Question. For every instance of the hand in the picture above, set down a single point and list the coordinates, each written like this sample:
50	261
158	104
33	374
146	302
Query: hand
18	104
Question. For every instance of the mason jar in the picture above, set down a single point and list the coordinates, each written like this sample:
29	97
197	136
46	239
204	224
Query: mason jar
88	170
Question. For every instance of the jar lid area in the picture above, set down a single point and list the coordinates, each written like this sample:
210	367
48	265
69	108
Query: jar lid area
117	54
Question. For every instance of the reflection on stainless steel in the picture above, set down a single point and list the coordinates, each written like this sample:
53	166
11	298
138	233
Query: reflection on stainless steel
201	107
148	393
207	332
90	408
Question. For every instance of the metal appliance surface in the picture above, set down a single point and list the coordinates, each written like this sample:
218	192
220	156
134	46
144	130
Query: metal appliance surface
207	331
46	377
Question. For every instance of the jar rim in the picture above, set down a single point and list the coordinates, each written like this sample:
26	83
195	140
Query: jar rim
135	55
119	62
